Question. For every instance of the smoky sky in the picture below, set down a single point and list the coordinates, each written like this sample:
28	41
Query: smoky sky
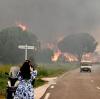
51	19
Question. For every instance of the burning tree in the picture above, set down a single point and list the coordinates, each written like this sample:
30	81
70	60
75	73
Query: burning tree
23	27
56	55
10	38
78	44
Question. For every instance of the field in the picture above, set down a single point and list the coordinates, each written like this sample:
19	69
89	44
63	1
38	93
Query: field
44	70
51	70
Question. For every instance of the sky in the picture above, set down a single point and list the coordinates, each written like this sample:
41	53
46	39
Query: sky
51	19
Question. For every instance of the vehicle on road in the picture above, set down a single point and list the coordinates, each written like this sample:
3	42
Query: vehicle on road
86	66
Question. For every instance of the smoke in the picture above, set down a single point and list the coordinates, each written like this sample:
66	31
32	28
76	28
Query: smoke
51	19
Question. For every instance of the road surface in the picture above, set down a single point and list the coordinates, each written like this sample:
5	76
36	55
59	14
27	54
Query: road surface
76	85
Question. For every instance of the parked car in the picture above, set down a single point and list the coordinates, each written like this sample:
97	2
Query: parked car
85	66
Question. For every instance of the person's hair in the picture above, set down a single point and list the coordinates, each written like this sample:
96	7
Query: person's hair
25	70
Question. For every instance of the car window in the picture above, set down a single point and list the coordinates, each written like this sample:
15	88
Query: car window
86	64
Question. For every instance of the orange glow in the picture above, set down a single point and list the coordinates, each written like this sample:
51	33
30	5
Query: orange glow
70	57
67	57
23	27
56	56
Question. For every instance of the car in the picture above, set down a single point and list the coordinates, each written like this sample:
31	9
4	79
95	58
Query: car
85	66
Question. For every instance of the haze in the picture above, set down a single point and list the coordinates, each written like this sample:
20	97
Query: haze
51	19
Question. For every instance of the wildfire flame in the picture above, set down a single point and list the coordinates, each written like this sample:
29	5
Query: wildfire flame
23	27
70	57
56	56
67	57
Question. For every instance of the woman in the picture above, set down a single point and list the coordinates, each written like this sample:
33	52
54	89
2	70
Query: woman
25	88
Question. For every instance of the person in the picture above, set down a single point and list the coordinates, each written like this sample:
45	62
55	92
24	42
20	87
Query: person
25	88
12	82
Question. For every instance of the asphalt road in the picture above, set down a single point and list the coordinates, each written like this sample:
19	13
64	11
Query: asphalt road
76	85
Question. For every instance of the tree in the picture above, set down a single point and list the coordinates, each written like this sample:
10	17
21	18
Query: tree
10	38
44	55
78	44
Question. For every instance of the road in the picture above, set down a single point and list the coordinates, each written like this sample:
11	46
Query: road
76	85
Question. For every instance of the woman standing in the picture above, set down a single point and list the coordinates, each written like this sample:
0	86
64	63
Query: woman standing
25	88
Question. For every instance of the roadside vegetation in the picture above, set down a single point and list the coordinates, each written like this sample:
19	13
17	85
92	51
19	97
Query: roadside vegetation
52	70
44	70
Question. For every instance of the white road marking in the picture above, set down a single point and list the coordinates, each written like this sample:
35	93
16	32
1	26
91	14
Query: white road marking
47	96
98	87
52	86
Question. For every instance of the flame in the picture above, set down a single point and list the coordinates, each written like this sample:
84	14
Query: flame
56	56
67	57
70	57
23	27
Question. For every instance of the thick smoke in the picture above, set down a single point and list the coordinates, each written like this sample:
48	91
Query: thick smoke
50	19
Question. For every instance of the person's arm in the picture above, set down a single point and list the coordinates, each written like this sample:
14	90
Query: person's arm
33	77
19	76
33	74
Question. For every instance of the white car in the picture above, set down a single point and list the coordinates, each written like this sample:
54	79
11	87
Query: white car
85	66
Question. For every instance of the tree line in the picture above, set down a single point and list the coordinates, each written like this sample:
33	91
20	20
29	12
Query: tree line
12	37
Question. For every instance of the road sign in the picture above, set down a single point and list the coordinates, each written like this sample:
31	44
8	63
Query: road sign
30	47
21	47
26	47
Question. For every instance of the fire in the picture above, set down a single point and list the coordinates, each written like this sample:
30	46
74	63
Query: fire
56	56
67	57
70	57
23	27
